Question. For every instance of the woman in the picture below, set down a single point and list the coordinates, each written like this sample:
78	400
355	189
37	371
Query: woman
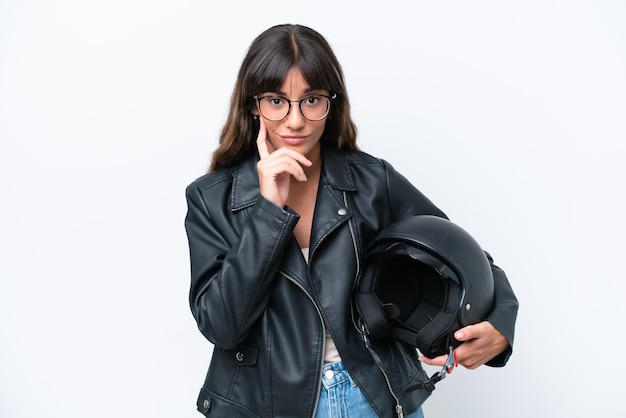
277	231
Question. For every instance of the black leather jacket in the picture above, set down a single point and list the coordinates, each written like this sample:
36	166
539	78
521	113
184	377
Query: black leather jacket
264	308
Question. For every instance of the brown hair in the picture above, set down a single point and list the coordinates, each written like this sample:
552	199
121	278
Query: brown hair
270	56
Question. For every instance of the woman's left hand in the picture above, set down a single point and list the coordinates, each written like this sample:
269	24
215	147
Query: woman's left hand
481	343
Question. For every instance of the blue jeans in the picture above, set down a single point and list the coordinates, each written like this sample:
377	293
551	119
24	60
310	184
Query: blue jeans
340	397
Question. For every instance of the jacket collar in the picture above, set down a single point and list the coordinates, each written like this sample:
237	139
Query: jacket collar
336	174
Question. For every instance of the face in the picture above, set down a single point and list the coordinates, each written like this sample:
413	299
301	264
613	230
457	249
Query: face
294	131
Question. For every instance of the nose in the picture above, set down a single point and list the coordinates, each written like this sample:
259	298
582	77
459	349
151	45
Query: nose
295	118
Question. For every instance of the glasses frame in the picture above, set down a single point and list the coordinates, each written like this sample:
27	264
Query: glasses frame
329	98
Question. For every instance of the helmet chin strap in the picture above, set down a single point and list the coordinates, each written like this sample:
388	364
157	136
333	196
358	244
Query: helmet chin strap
428	385
448	367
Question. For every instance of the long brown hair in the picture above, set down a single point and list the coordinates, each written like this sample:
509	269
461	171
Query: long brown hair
270	56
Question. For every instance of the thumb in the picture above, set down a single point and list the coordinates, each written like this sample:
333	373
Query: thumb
465	334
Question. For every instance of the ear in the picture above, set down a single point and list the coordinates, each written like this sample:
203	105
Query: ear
254	109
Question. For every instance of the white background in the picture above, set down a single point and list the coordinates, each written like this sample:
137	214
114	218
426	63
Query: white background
509	115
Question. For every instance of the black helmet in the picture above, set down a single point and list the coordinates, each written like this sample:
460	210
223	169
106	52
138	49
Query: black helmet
424	278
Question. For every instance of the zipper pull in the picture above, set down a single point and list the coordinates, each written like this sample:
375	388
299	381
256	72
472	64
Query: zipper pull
399	411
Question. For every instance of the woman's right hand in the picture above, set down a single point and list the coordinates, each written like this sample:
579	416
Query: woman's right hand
276	168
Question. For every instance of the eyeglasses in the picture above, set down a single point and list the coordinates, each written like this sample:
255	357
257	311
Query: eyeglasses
276	108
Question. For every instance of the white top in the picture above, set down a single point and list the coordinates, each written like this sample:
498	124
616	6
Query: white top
331	355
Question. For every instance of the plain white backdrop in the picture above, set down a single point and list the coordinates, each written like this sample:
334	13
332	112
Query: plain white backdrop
509	115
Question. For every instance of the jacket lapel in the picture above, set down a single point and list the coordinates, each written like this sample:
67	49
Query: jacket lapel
330	208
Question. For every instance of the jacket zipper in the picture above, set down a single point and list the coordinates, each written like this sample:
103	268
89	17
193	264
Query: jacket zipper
399	411
319	313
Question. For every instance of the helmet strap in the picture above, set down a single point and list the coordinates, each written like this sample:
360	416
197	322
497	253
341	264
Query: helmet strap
429	385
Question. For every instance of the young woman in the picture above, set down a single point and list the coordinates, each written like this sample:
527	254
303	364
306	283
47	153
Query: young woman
277	231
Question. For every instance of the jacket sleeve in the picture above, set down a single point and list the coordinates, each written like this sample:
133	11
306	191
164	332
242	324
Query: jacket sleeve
232	267
404	201
504	313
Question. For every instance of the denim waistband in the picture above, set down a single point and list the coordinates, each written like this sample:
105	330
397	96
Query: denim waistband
334	374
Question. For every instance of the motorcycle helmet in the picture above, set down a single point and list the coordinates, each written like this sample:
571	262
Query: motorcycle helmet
424	278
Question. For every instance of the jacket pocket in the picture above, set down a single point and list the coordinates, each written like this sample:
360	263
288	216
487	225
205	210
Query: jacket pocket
204	401
213	405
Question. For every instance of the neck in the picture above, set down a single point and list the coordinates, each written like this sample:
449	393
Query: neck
315	156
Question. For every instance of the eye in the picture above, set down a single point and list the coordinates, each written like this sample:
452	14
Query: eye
311	100
275	101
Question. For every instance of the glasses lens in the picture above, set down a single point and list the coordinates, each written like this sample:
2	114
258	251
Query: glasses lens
315	107
274	107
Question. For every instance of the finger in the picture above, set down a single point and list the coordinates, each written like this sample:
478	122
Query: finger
467	333
280	163
436	361
470	332
288	153
261	141
461	335
300	158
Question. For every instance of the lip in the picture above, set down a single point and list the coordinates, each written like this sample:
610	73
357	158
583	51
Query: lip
293	140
